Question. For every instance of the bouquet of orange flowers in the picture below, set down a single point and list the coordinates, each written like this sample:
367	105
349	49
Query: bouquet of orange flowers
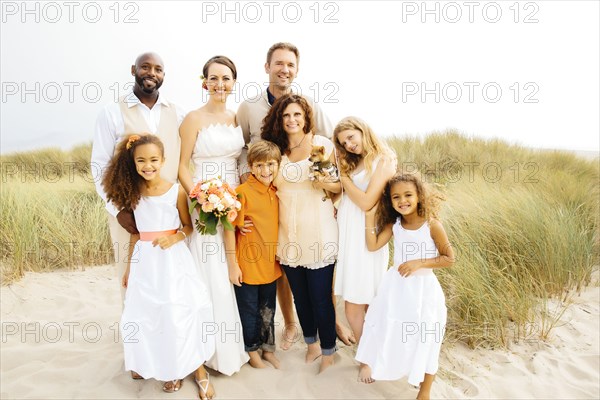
216	201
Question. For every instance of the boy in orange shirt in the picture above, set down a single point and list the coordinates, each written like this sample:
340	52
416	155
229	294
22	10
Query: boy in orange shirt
253	269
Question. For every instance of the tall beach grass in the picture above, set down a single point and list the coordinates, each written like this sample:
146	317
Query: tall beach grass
524	224
51	216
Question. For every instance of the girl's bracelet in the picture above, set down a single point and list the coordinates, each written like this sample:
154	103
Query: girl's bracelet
372	229
184	235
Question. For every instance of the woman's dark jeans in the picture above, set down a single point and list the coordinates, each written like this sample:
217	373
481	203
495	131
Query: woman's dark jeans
312	296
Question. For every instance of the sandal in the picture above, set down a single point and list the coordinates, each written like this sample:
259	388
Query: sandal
204	388
136	376
174	387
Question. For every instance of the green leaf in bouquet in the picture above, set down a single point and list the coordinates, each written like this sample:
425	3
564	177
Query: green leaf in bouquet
211	224
202	216
193	205
226	224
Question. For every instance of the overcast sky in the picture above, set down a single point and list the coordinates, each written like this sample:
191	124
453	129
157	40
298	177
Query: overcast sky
527	72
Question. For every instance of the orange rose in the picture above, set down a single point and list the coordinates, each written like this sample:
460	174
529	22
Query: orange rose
232	215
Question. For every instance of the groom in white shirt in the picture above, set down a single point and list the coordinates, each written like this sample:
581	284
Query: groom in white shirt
141	110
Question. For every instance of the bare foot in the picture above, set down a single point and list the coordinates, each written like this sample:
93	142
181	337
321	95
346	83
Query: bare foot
202	378
364	374
344	333
288	336
326	361
269	356
425	387
255	360
313	351
423	394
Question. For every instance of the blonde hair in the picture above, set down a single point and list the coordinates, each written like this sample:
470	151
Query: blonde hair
372	146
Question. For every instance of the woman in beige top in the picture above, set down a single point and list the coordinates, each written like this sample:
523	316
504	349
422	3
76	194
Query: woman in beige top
308	236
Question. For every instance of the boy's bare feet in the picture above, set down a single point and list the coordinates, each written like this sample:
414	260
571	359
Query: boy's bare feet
344	333
255	360
326	361
364	374
269	356
288	336
313	351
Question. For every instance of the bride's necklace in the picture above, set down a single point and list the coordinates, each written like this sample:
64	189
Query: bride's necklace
298	145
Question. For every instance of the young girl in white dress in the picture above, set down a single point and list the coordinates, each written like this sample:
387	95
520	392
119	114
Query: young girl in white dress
213	142
366	164
167	309
405	323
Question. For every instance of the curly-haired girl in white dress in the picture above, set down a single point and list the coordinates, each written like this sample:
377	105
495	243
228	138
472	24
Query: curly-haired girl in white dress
404	326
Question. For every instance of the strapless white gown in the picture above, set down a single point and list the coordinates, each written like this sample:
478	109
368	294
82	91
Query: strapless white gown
215	154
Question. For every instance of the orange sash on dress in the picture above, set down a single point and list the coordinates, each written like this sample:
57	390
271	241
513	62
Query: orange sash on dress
150	236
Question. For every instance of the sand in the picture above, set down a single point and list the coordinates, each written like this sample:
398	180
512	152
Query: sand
59	340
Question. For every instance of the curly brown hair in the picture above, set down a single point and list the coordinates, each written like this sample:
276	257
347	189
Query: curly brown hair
121	181
429	200
272	126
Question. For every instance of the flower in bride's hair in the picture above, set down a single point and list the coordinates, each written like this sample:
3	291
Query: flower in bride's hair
204	85
130	141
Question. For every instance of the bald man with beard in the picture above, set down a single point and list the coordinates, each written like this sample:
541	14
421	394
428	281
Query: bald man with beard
140	110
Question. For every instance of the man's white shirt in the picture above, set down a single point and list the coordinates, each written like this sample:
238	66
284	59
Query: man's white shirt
110	127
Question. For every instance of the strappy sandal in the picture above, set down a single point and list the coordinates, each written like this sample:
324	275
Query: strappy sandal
176	385
204	388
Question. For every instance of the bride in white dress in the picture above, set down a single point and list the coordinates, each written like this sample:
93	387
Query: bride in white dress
213	142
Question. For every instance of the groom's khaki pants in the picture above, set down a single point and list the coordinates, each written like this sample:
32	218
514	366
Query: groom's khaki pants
120	242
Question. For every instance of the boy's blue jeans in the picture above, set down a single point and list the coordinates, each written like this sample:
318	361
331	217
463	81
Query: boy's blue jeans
256	304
